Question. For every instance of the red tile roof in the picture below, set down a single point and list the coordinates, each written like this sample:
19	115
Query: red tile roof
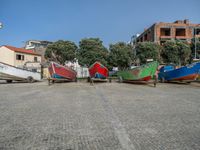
21	50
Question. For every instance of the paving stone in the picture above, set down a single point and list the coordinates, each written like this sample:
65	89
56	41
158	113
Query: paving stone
107	116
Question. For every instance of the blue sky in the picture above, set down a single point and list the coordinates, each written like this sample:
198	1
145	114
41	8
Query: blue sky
110	20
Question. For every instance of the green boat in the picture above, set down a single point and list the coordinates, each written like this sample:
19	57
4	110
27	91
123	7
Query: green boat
139	73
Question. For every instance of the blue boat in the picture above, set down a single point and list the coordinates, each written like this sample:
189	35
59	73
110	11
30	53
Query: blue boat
185	73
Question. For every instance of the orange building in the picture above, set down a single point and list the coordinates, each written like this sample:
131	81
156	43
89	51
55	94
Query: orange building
161	32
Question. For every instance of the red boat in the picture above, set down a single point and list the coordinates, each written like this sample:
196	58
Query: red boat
58	71
99	71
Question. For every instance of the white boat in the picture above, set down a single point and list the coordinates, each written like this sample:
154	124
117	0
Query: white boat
11	73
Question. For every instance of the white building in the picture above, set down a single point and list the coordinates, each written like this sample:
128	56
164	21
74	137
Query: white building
19	57
82	72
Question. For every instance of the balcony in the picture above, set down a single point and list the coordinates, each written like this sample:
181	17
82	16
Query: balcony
165	37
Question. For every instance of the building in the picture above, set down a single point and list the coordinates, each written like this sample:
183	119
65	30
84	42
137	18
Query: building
160	32
19	57
35	44
82	71
38	47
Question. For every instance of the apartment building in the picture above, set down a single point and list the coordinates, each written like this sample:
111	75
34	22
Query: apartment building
160	32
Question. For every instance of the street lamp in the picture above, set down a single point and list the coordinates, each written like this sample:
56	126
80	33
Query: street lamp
195	44
1	25
133	42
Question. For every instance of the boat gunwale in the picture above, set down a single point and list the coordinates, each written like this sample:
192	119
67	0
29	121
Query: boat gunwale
66	67
182	67
19	68
142	66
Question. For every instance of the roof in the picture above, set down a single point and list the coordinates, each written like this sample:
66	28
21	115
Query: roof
21	50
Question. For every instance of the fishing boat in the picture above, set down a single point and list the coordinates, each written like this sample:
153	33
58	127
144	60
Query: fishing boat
59	72
139	73
185	73
98	71
12	73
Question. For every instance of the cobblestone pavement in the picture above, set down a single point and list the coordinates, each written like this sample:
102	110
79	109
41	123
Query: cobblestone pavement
107	116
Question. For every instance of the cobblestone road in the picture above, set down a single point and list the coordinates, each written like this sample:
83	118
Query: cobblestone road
108	116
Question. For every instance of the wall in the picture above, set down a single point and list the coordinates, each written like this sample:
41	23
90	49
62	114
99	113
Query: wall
7	56
45	74
173	26
27	57
82	72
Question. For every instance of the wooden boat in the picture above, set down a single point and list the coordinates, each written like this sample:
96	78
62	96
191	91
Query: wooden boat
185	73
98	71
139	73
60	72
11	73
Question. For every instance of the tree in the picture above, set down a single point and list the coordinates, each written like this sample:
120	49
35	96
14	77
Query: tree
147	50
184	52
121	55
91	50
176	52
61	51
197	48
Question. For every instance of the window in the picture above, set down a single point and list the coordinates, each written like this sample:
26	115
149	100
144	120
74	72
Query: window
165	32
19	57
35	59
180	32
145	37
34	70
197	32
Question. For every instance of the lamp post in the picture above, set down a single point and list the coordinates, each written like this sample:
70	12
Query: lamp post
133	42
1	25
195	44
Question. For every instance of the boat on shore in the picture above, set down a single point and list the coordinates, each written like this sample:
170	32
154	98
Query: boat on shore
139	73
12	73
60	72
98	71
186	73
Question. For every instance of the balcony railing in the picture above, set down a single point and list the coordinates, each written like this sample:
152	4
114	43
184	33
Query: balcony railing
181	37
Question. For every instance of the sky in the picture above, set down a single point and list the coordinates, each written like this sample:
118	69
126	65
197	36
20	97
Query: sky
110	20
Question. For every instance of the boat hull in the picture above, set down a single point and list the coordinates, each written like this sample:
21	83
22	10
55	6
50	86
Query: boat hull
61	72
97	70
141	73
8	72
185	73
